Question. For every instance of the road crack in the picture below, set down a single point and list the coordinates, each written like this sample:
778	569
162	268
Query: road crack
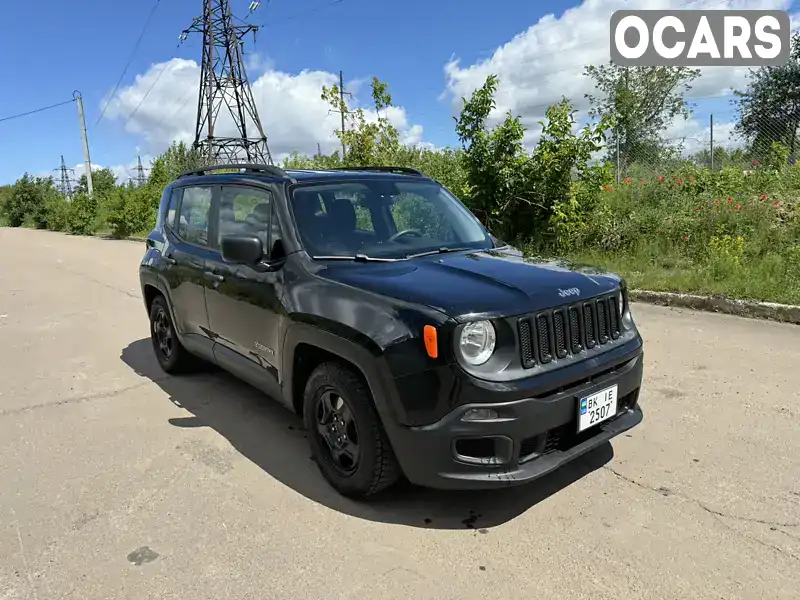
78	399
706	508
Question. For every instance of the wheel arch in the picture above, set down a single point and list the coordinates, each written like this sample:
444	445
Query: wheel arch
306	346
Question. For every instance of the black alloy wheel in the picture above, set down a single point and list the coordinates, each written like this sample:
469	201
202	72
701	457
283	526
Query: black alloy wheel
347	439
163	333
337	429
170	353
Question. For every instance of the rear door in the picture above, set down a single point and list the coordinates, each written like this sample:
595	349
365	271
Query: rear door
244	304
187	255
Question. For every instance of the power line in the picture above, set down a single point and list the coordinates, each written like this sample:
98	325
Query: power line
30	112
130	59
147	93
300	14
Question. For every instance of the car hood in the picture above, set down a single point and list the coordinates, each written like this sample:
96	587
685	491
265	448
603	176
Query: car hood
488	283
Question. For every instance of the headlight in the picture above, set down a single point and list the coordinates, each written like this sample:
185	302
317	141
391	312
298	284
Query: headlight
477	342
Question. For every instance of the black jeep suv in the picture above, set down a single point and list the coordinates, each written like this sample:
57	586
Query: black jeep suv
374	304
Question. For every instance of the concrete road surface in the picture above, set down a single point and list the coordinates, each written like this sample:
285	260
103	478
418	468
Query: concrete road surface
117	481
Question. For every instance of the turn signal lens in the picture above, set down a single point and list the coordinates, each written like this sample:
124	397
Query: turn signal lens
431	342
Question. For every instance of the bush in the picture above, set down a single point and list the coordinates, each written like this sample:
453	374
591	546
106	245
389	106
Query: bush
56	212
82	214
130	211
25	203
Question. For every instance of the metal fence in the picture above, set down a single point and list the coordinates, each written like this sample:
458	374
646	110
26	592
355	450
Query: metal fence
719	145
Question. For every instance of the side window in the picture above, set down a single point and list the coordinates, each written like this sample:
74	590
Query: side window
172	207
195	211
246	210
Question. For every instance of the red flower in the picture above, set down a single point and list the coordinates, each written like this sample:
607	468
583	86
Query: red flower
738	207
730	199
696	209
628	181
641	181
678	180
776	203
716	201
686	238
764	197
755	162
660	178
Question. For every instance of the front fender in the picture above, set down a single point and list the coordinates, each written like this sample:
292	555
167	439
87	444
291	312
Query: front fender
367	358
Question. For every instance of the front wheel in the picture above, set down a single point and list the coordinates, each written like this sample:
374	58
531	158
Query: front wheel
347	440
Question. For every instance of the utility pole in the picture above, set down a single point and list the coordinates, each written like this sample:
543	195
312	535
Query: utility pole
223	82
139	172
341	110
711	123
77	96
65	187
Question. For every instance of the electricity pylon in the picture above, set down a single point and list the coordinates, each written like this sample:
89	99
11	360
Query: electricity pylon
223	82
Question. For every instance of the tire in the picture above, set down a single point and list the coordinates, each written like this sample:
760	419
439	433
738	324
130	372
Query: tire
376	467
172	357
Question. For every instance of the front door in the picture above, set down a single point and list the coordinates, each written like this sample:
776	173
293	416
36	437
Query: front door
187	254
244	304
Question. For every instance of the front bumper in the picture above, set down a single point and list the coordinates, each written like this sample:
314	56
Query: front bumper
532	437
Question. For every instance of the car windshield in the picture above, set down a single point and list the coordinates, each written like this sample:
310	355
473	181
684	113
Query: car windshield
382	218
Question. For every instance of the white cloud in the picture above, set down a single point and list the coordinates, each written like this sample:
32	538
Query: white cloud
292	112
547	60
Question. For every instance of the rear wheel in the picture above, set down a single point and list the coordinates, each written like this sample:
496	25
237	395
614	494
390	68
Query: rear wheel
170	353
347	439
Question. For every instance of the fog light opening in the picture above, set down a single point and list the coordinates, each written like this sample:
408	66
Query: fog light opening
481	414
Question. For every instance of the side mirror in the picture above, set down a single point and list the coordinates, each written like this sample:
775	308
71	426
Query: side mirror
242	249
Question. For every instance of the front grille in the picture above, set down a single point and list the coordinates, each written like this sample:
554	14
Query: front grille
568	330
543	336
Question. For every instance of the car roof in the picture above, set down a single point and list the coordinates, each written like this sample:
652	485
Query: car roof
272	173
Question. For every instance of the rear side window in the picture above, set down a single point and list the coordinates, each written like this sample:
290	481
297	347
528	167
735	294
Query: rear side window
194	215
172	207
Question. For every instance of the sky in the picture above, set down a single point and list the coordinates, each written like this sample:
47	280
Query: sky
432	53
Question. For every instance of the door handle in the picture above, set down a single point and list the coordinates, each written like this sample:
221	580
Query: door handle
214	276
169	260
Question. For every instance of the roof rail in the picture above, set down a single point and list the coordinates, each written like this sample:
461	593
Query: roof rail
246	167
385	169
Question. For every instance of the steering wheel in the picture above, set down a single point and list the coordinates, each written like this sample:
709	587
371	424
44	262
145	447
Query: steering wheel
404	233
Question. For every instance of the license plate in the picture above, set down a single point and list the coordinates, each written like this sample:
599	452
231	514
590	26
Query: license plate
597	408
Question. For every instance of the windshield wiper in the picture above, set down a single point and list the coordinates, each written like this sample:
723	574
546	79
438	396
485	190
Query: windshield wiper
437	251
357	257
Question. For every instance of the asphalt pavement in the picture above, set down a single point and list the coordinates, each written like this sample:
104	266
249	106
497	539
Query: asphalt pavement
118	481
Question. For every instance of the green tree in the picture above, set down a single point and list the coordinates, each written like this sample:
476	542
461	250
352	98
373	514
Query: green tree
130	210
367	142
643	102
165	168
103	181
82	214
495	161
769	107
25	204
